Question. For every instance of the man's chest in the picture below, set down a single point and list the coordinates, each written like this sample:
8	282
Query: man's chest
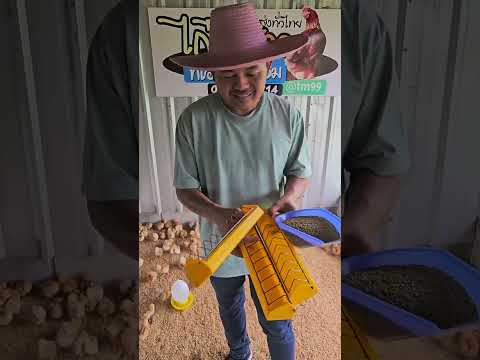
249	147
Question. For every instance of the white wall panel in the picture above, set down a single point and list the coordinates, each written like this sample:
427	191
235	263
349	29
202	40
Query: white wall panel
459	193
439	202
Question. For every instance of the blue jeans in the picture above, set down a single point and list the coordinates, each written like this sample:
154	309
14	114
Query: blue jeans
231	299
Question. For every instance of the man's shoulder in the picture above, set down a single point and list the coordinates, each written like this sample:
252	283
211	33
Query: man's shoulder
112	22
198	110
278	102
360	9
281	106
120	23
361	23
201	106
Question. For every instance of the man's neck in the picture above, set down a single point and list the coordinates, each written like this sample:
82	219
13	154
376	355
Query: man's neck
243	114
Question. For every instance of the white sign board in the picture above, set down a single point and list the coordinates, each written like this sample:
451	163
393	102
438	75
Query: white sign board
177	31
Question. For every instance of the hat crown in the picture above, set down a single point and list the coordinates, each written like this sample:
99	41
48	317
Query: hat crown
235	28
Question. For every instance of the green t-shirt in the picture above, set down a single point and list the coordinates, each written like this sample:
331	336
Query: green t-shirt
110	159
237	160
373	134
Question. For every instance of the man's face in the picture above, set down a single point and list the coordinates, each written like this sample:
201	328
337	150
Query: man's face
242	89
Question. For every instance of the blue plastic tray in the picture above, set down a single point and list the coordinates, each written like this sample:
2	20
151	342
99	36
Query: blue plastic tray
464	274
313	241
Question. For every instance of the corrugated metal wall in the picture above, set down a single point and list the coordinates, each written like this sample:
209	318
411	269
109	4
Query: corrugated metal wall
433	70
44	223
43	217
437	60
321	116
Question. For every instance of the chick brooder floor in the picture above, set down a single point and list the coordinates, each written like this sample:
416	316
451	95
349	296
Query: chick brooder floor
197	334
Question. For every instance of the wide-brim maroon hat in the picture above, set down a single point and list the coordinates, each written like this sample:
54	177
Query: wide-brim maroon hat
237	40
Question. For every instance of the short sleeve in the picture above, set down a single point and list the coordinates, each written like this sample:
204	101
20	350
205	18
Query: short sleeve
378	140
110	159
186	170
298	162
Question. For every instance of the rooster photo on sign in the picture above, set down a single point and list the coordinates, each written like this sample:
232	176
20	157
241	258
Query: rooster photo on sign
309	61
312	70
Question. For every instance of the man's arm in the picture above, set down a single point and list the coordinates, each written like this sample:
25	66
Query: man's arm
294	190
110	171
197	202
376	153
201	205
368	204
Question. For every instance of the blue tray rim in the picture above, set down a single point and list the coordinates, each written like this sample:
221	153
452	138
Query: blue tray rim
423	327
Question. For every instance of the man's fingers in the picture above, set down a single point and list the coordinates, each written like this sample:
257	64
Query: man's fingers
238	212
246	241
249	240
352	246
273	211
237	252
231	219
236	215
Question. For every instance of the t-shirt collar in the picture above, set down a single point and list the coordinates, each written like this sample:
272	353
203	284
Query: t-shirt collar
251	115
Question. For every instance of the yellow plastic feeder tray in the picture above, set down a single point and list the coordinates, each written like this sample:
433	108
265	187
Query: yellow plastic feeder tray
355	345
278	274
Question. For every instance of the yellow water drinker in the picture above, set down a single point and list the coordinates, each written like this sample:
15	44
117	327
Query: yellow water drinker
181	298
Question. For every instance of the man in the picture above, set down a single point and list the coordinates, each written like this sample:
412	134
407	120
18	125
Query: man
237	147
110	171
374	142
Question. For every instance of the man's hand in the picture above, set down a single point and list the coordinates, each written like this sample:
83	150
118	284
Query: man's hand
248	240
225	218
368	205
355	245
294	190
284	204
198	203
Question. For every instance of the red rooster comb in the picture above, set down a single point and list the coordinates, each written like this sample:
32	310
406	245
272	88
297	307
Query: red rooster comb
311	17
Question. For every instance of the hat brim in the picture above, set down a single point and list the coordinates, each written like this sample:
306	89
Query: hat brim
271	51
328	65
172	66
